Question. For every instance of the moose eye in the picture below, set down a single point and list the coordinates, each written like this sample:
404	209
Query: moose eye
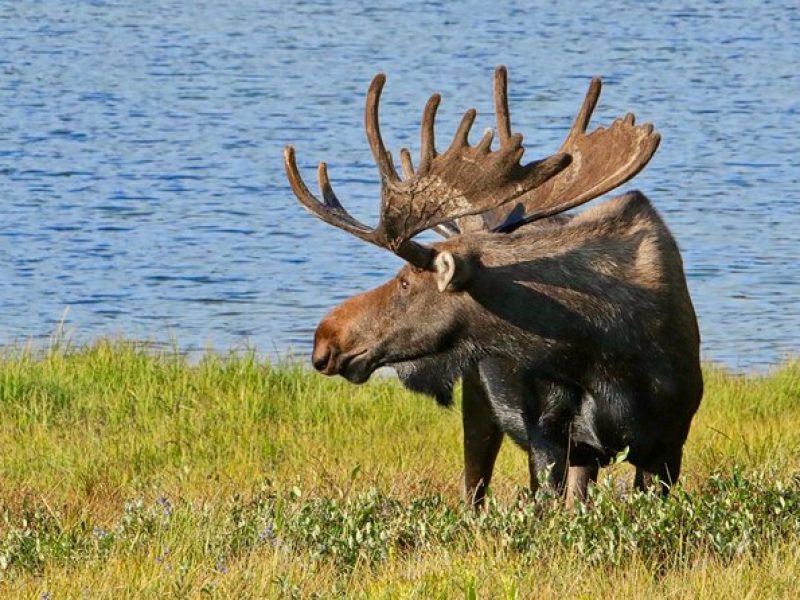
404	283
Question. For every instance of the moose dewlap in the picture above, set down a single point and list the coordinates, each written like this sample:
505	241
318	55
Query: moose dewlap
575	336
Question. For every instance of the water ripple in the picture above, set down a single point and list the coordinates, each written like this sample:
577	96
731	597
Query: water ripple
140	152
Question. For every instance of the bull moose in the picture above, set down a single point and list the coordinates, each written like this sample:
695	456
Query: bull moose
574	335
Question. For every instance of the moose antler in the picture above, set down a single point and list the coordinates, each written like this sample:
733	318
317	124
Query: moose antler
601	160
464	180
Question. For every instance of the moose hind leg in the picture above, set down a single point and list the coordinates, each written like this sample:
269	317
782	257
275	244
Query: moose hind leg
545	457
482	439
667	471
549	411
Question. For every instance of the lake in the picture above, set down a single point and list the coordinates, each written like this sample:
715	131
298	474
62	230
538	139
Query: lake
141	177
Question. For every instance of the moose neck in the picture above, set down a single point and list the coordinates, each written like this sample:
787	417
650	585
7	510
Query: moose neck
535	299
516	320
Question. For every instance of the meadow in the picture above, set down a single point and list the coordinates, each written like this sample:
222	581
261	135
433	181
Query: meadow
128	471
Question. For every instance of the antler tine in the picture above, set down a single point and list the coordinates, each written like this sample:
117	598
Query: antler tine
501	104
328	195
485	145
372	126
428	146
407	163
461	137
587	108
331	211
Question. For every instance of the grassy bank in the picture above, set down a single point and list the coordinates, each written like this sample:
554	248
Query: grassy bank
131	473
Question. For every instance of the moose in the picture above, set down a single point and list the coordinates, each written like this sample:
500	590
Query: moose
574	335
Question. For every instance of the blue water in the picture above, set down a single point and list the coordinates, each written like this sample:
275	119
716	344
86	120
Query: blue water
141	177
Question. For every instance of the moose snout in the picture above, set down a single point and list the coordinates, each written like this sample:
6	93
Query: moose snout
340	346
324	357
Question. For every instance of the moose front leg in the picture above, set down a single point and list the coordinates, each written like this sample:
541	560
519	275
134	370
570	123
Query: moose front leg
578	480
482	439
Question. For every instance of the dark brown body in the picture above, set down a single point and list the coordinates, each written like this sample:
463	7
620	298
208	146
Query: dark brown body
576	338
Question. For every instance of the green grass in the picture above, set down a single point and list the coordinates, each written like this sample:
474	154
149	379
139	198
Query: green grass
127	472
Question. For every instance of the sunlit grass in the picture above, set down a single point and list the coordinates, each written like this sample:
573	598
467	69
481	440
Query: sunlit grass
126	468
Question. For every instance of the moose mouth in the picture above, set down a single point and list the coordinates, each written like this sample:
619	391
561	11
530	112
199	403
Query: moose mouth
359	367
353	366
356	367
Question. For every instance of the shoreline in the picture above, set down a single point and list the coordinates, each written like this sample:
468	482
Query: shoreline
65	343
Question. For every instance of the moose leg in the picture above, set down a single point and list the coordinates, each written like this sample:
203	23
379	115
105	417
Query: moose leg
578	480
548	411
482	439
667	470
545	457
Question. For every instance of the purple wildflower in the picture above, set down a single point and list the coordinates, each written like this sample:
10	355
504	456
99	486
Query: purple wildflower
162	557
268	533
166	505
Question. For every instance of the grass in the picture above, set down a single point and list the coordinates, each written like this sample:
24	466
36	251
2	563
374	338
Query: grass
127	472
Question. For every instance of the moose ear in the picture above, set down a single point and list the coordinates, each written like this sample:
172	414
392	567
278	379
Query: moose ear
452	272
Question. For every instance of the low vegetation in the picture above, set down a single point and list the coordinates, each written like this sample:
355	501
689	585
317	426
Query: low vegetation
130	471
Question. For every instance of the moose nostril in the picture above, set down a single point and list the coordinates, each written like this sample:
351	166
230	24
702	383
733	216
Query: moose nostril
323	357
320	361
